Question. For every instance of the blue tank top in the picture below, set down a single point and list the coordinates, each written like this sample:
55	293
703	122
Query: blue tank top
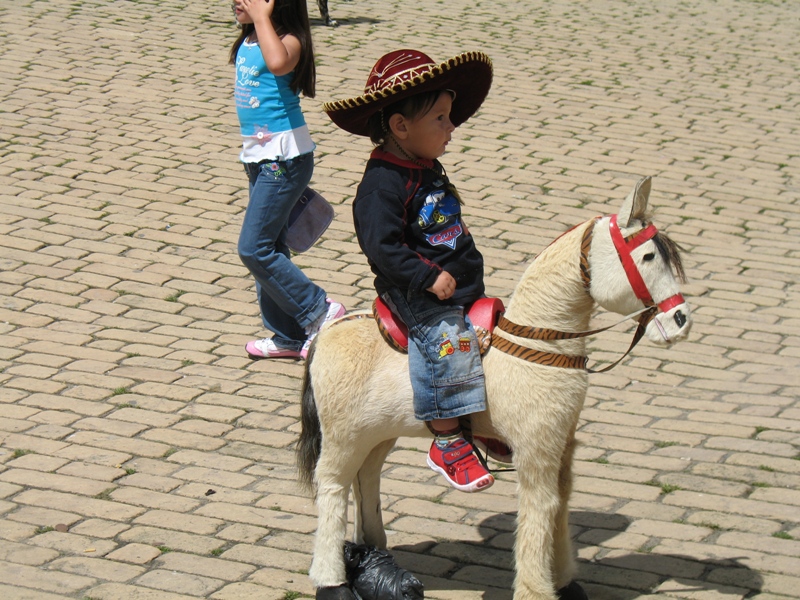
270	118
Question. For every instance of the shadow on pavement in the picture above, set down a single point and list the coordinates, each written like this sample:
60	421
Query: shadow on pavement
618	575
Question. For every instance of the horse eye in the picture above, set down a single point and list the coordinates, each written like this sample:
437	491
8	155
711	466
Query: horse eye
648	257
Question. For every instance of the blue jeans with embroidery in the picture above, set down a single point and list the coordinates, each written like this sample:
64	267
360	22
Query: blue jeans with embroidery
443	356
289	301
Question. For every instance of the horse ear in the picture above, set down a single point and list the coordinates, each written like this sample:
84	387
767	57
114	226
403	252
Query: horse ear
635	204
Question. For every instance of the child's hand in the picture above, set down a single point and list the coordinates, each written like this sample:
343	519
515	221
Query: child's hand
444	286
258	9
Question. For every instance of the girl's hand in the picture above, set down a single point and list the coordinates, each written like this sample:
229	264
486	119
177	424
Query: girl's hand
281	53
444	286
259	10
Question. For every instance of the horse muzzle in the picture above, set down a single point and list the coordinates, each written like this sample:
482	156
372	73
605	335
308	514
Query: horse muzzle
670	325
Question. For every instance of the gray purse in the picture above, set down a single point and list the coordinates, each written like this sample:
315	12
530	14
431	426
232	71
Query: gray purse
308	220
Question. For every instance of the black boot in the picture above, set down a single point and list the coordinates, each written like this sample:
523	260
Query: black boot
572	591
339	592
374	575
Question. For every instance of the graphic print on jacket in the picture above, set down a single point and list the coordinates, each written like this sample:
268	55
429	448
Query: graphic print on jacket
440	218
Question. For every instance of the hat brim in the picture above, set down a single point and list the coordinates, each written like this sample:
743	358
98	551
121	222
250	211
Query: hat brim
469	75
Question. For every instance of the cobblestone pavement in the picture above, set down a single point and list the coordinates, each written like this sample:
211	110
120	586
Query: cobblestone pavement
126	395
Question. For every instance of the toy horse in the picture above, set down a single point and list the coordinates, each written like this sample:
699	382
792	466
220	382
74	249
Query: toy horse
357	397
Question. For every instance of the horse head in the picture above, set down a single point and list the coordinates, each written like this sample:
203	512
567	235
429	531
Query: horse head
628	254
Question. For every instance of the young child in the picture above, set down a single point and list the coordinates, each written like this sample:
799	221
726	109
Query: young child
274	61
408	221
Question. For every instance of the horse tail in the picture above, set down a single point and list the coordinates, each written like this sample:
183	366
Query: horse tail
310	443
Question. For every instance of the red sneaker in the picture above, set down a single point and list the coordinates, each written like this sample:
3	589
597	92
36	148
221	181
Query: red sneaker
459	465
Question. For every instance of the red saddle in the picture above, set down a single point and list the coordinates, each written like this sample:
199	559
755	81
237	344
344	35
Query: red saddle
483	313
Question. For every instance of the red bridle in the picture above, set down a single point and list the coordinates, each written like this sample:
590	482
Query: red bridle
624	248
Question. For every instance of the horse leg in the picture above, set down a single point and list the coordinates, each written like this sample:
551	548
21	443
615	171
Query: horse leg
367	497
334	475
539	503
564	567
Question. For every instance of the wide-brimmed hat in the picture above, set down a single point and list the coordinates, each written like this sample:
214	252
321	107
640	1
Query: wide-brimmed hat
404	73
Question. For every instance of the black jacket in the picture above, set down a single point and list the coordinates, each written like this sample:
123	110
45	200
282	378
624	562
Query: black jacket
409	226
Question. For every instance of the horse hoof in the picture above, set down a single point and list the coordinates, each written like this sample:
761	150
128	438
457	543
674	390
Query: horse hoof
339	592
572	591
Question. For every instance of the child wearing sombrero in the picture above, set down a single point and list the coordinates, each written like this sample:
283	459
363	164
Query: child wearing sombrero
407	217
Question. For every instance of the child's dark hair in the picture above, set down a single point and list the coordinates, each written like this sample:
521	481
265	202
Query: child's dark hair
411	108
290	17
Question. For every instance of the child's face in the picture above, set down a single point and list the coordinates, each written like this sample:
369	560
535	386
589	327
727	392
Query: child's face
243	9
427	136
241	15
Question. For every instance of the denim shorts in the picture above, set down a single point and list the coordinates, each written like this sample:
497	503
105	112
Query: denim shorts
443	354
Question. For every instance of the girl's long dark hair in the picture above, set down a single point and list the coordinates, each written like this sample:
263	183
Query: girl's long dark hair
290	17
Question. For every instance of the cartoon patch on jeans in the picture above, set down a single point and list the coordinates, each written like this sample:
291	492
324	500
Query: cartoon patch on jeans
275	169
464	344
446	348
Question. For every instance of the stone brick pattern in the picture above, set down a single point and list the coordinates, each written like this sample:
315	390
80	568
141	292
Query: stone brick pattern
143	455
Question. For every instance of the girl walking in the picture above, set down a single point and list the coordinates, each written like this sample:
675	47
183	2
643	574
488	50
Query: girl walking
274	60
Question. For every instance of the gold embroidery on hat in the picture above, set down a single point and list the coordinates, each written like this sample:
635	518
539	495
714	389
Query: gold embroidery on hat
429	72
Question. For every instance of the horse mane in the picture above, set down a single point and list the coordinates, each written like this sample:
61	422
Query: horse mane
670	251
551	292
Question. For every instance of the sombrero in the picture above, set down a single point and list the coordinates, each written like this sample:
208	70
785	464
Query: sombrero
404	73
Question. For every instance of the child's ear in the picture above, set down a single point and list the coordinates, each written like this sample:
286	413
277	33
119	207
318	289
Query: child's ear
398	127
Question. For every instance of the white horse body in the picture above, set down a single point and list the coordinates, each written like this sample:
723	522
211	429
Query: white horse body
361	392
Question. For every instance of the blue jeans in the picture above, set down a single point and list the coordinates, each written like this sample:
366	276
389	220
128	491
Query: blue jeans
288	300
443	357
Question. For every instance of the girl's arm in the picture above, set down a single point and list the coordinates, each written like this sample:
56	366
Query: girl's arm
280	54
